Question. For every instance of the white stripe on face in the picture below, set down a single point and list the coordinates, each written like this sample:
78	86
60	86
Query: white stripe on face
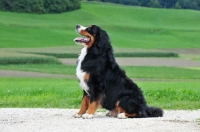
80	28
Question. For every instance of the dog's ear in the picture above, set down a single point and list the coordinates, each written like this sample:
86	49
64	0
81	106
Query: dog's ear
103	38
102	41
103	48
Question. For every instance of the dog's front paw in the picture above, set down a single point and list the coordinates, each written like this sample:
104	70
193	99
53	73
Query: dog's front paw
87	116
77	115
122	116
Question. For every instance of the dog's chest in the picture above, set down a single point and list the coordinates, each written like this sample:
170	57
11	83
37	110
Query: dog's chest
79	72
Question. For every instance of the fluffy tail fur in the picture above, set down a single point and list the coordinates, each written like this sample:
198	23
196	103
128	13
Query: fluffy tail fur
150	112
154	112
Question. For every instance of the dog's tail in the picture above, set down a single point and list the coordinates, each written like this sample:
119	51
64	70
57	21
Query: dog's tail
154	112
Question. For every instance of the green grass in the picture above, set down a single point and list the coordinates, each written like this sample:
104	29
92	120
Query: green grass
66	93
47	93
148	72
133	30
129	27
172	95
119	54
22	58
45	55
161	72
44	68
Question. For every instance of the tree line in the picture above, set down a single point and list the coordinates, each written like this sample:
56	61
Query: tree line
180	4
39	6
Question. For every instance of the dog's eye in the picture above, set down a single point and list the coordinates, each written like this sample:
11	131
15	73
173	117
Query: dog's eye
89	29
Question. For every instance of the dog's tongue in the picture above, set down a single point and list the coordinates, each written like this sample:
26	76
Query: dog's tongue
79	39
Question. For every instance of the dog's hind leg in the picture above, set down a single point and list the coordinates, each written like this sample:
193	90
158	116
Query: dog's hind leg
112	113
122	114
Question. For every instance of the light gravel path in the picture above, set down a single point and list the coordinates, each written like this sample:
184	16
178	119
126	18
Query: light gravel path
175	62
13	73
145	61
61	120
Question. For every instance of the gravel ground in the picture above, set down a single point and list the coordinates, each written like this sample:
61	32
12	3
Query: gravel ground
13	73
145	61
61	120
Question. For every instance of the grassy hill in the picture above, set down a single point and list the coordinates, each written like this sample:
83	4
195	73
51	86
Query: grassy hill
27	40
128	27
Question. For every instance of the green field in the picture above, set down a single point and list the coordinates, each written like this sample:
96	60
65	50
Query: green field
149	72
166	87
128	27
33	42
46	93
65	93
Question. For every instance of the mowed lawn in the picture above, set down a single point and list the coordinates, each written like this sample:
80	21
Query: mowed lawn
66	93
128	27
148	72
166	87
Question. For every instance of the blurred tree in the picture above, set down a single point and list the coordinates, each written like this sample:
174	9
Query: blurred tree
168	3
185	4
39	6
144	2
154	3
188	4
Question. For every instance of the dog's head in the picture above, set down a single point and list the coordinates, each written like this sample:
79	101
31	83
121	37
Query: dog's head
98	44
94	36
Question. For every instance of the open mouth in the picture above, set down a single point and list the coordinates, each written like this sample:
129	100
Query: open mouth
81	40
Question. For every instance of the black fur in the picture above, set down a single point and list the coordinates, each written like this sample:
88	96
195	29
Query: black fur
109	82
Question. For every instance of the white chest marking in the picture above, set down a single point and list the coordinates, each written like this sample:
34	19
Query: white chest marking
80	73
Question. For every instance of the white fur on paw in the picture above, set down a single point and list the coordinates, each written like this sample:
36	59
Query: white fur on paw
76	115
108	113
112	113
122	116
87	116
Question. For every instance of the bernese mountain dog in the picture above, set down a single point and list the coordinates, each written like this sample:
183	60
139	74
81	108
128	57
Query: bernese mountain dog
104	83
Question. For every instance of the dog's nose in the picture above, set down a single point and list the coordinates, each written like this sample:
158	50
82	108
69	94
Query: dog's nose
78	26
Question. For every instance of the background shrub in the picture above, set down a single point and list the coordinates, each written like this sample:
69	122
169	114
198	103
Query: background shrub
11	58
147	54
39	6
183	4
117	54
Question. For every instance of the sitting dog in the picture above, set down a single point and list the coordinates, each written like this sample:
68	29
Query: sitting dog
104	83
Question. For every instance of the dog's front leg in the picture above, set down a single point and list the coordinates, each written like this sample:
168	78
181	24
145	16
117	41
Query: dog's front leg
93	106
84	106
